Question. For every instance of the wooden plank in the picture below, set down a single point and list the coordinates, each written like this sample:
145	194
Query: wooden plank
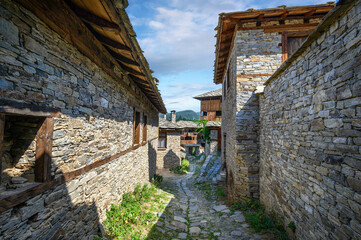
254	75
107	41
43	151
130	70
280	18
282	27
145	126
284	47
93	19
2	130
27	109
121	58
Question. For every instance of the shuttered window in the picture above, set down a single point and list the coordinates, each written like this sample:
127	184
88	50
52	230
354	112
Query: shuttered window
136	135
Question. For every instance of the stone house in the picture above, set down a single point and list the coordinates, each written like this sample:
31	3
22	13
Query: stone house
177	139
211	105
295	145
78	116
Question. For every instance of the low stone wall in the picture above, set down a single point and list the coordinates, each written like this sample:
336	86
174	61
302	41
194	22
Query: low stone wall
310	141
172	155
93	158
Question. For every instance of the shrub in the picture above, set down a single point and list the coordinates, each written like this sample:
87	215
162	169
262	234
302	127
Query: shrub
157	179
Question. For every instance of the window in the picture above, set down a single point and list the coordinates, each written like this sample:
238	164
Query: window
26	147
218	113
136	130
162	141
204	113
145	122
188	138
290	44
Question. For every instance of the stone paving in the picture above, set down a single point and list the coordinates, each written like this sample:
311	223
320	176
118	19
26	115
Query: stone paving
190	215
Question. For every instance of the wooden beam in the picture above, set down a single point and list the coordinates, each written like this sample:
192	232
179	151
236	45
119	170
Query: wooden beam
284	47
259	19
282	27
284	15
27	109
121	58
44	147
107	41
93	19
130	70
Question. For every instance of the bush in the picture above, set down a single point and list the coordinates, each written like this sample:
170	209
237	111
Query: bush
183	169
157	179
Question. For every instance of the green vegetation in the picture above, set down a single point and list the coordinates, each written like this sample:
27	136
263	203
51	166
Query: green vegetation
206	188
259	220
203	130
292	226
220	192
134	216
157	180
183	169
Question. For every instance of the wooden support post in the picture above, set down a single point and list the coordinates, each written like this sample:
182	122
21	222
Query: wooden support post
44	147
284	46
2	129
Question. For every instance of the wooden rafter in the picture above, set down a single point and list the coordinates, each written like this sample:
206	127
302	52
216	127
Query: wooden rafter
93	19
121	58
130	70
107	41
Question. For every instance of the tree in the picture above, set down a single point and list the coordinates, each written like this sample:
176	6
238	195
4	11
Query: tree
203	130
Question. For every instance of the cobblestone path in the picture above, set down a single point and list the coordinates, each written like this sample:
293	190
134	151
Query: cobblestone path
189	215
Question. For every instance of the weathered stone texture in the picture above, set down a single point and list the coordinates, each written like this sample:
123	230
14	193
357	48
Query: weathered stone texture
254	52
96	122
171	156
309	145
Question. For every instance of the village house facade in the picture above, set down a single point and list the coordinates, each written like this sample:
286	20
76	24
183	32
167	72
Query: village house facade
78	116
296	144
177	139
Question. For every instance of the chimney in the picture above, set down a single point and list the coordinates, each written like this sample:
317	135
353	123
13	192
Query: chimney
165	116
173	116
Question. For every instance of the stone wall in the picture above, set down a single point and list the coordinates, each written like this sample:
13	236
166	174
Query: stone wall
254	52
311	133
96	123
172	155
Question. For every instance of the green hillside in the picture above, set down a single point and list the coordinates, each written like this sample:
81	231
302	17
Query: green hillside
184	115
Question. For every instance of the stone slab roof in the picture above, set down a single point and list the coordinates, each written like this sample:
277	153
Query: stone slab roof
215	93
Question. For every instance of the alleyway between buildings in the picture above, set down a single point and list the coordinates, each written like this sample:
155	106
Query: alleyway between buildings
198	214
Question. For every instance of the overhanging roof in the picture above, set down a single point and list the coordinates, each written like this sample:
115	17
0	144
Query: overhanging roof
211	94
102	31
276	19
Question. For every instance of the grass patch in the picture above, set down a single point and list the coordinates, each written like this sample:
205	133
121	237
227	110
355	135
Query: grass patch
259	220
183	169
134	216
157	179
206	188
220	192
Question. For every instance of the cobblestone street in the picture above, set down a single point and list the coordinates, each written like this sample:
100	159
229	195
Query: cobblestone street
189	215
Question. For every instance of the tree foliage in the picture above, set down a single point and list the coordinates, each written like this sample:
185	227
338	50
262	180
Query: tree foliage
203	130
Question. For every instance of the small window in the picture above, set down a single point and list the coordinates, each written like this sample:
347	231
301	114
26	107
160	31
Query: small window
188	138
136	135
204	113
162	141
218	113
145	122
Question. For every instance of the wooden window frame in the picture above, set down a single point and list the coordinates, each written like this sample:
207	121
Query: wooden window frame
44	136
165	139
136	127
285	37
145	128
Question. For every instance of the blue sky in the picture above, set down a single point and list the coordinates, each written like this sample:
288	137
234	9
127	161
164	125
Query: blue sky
177	37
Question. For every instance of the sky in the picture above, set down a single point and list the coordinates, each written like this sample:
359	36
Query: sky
177	37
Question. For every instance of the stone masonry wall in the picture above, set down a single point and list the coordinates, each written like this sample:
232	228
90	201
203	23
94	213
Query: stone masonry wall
311	135
171	156
254	52
96	122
